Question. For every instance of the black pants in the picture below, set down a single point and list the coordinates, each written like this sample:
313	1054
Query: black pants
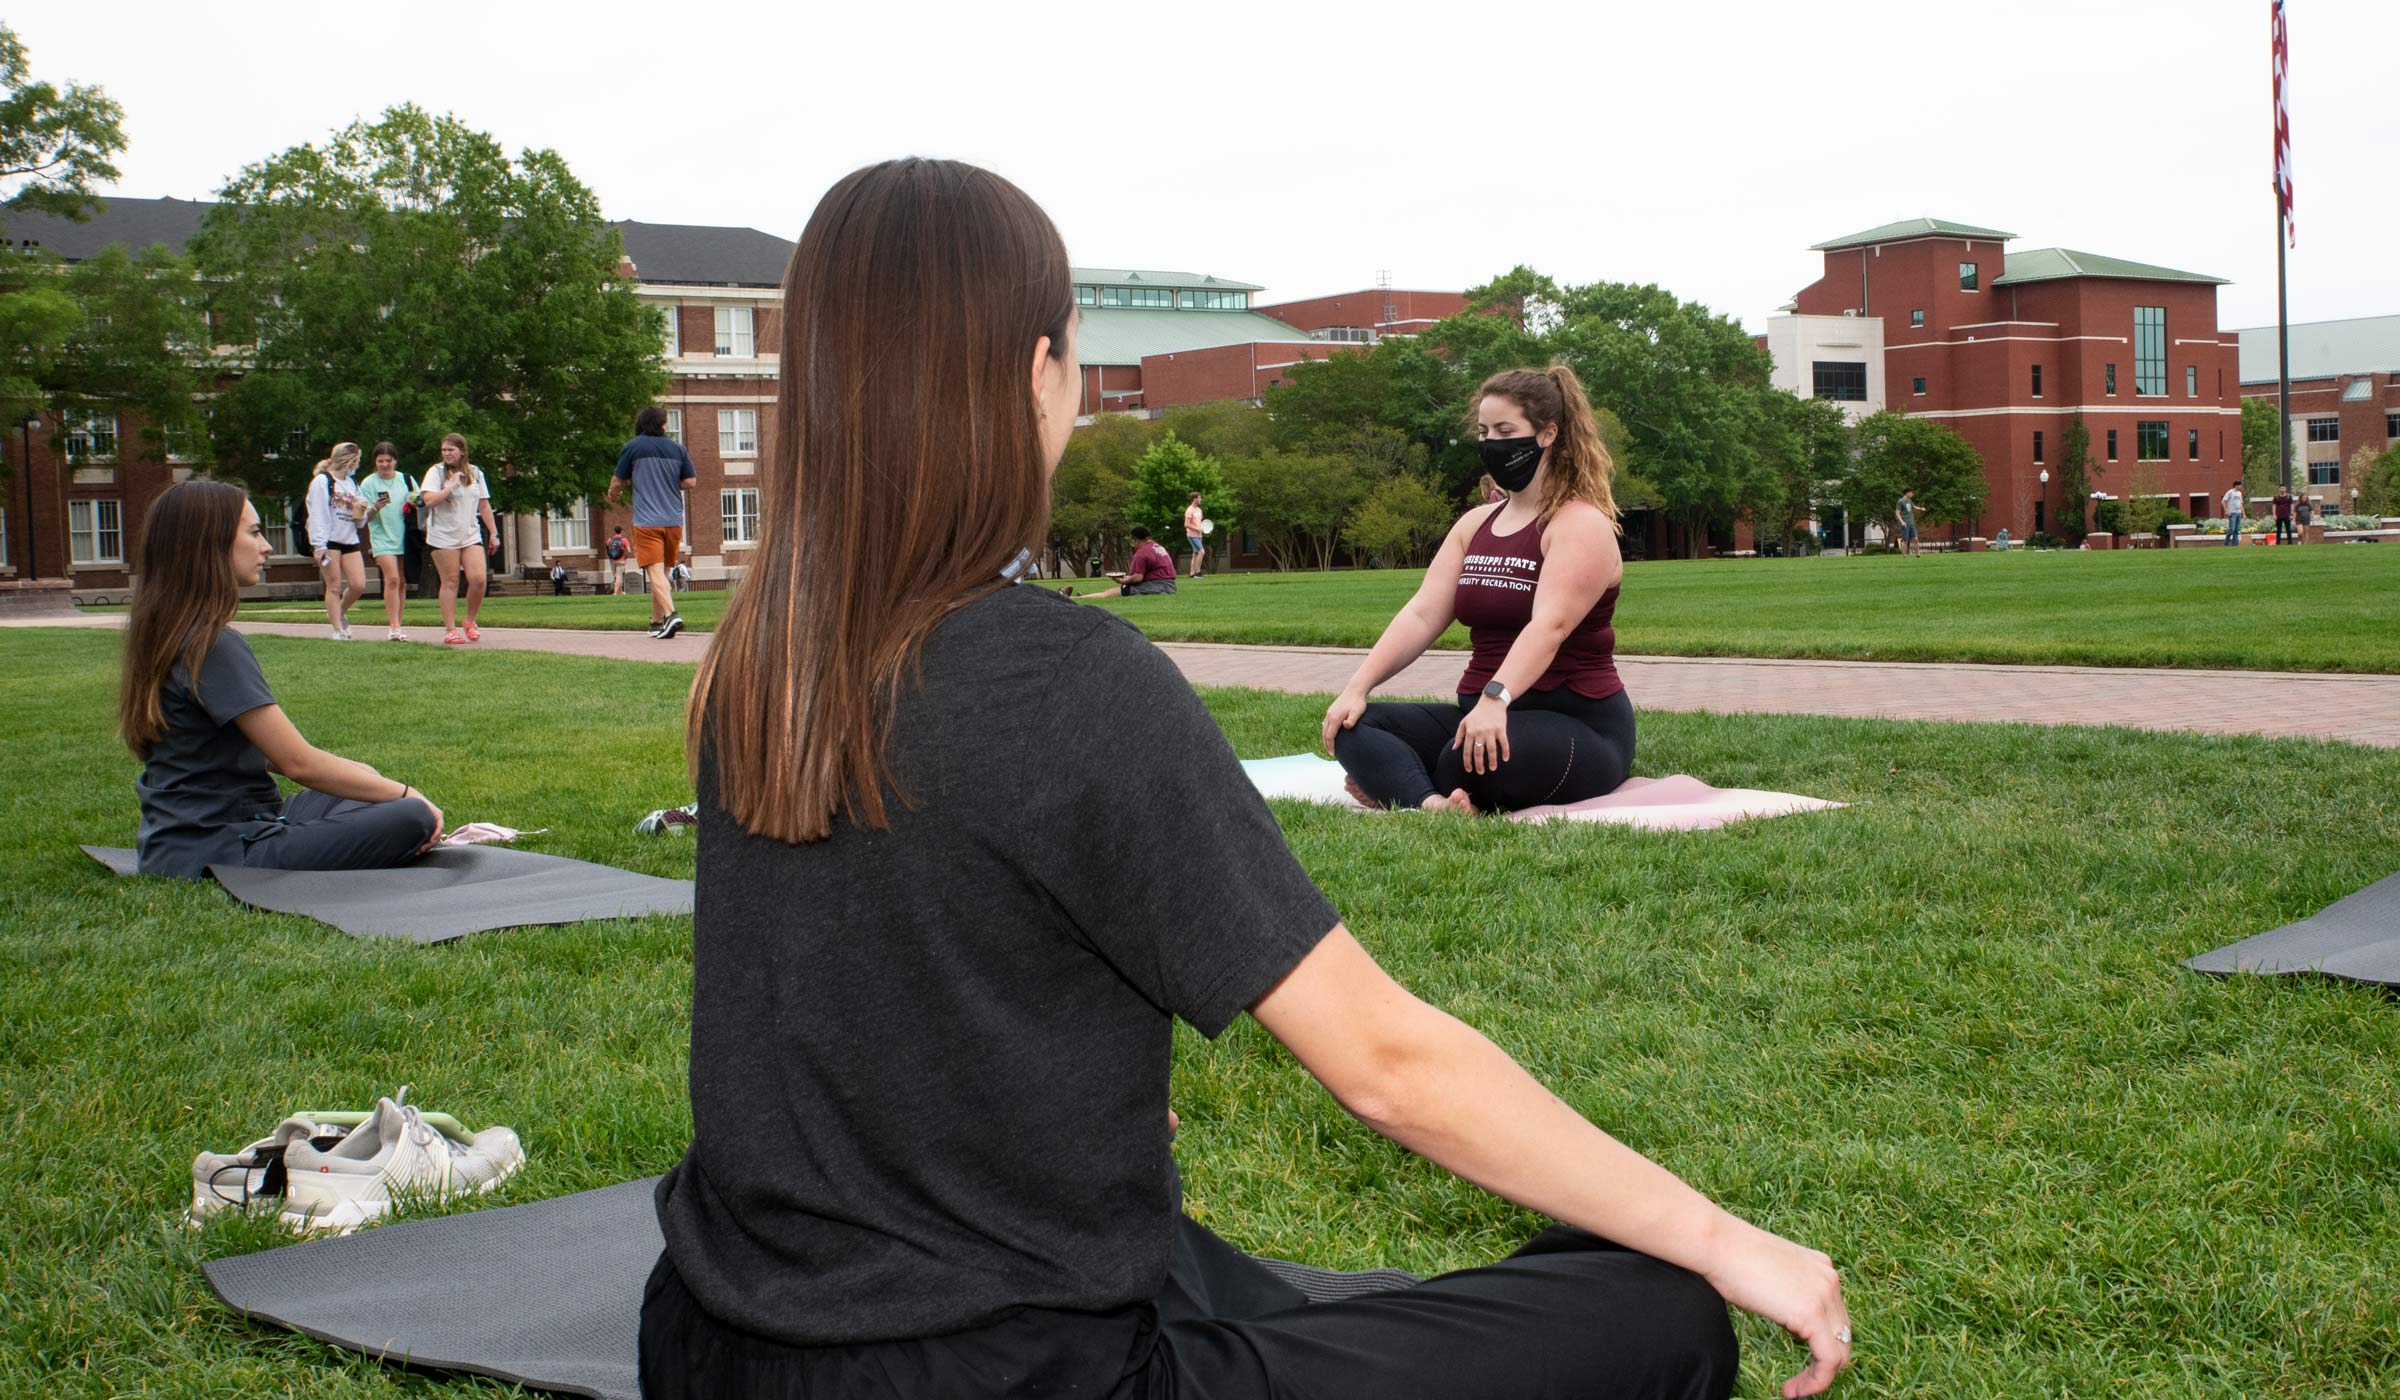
334	833
1569	1315
2286	532
1562	748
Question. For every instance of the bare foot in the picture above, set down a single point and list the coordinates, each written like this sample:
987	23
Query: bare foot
1457	801
1357	793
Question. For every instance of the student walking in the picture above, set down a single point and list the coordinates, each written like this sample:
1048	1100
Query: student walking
1541	715
2233	514
1195	532
940	946
661	473
460	530
334	509
619	551
387	491
195	708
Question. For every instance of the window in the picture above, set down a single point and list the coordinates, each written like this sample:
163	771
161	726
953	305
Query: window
2220	444
2324	473
275	522
1966	277
734	325
2324	430
2037	381
1087	296
2112	381
673	339
2191	443
1112	296
2191	381
741	514
573	529
2150	440
675	424
1920	385
1845	380
1345	335
2149	350
93	534
2037	448
92	437
1216	301
737	432
2112	444
2391	425
188	443
1149	296
1916	318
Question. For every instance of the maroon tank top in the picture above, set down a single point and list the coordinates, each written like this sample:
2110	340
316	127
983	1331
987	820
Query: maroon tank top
1495	601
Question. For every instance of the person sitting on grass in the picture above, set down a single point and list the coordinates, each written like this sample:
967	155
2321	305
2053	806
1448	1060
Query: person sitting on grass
1541	716
935	970
195	708
1150	570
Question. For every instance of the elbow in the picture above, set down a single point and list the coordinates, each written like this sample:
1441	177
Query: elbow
305	767
1386	1089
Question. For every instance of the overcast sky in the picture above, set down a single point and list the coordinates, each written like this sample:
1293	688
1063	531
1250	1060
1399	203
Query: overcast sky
1310	146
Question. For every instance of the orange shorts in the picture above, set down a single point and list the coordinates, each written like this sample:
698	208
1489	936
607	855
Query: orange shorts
655	545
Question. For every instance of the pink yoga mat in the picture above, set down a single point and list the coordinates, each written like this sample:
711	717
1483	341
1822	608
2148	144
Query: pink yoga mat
1678	803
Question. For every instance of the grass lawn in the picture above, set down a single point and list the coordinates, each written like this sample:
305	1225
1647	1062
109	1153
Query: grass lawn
2324	609
1940	1033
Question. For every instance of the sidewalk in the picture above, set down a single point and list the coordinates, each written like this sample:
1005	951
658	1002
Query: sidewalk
2358	709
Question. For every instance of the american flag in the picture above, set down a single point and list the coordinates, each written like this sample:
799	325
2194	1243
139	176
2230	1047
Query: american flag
2283	124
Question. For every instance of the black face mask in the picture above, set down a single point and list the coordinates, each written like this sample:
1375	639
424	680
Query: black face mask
1511	461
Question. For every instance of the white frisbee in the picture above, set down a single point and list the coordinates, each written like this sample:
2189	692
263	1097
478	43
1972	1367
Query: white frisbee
1208	527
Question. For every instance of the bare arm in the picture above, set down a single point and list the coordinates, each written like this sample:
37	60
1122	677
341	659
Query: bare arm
491	525
304	763
616	489
1420	621
1580	562
1437	1087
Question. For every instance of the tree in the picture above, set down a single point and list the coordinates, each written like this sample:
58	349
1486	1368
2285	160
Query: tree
2074	480
1805	450
1897	454
406	279
53	144
1226	428
2261	456
1294	503
140	342
1397	522
2377	477
1163	483
1090	489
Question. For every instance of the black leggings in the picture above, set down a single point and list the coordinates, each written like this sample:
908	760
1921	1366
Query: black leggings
1569	1315
1562	748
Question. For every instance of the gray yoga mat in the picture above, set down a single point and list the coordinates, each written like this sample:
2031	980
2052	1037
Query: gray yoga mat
547	1295
2357	939
446	893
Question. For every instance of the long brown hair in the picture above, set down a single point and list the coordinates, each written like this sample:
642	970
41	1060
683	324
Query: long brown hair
187	594
465	470
903	472
1579	461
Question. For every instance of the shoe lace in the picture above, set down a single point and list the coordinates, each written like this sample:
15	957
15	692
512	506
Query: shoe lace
419	1131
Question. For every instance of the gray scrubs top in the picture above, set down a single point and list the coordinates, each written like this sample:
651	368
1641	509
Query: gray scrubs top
205	784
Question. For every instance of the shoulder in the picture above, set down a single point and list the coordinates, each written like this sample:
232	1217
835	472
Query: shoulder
1476	518
230	652
1576	521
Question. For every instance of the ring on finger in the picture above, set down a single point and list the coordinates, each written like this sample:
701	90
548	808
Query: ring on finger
1842	1335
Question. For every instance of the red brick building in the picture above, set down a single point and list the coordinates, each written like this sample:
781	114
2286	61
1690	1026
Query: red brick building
2345	396
2006	348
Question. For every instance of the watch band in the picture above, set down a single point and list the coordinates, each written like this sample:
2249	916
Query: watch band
1496	691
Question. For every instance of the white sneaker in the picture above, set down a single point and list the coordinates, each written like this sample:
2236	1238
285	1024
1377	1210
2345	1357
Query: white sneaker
341	634
395	635
223	1181
395	1157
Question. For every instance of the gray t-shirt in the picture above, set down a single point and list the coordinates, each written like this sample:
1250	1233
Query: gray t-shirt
204	779
1908	513
929	1065
657	467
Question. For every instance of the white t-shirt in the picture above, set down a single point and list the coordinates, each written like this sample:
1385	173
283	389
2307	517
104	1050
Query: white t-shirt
329	517
451	524
2233	501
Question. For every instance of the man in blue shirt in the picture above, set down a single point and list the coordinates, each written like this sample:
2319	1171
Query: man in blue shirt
661	473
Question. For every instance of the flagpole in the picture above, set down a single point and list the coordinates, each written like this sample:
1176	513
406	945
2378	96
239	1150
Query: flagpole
2283	356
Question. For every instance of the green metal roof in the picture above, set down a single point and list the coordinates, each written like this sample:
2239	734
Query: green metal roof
1911	228
1118	335
1139	277
2050	264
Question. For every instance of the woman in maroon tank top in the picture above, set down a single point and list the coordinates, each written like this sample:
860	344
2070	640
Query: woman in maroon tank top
1541	715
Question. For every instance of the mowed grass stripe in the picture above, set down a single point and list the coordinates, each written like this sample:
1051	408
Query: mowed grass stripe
1940	1033
2326	608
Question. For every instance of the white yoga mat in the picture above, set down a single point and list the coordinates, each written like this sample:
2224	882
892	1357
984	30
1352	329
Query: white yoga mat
1678	803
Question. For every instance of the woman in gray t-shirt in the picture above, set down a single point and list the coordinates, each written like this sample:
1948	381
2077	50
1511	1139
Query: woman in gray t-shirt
195	708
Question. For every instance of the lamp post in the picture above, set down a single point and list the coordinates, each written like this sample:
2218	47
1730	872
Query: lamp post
2042	502
33	556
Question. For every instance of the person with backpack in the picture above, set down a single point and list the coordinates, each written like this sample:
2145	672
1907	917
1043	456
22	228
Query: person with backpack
618	550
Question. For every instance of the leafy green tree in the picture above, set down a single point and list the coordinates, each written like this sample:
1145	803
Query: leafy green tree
141	342
1294	503
1163	483
1090	491
1226	428
406	279
2377	476
1397	523
2074	480
1897	454
1804	449
2262	467
54	143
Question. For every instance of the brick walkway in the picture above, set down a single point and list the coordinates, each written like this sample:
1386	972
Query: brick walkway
2359	709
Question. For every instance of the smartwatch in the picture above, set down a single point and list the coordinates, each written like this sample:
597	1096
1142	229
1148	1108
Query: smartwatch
1497	691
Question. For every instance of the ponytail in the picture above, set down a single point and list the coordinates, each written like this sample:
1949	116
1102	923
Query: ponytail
1580	467
341	458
